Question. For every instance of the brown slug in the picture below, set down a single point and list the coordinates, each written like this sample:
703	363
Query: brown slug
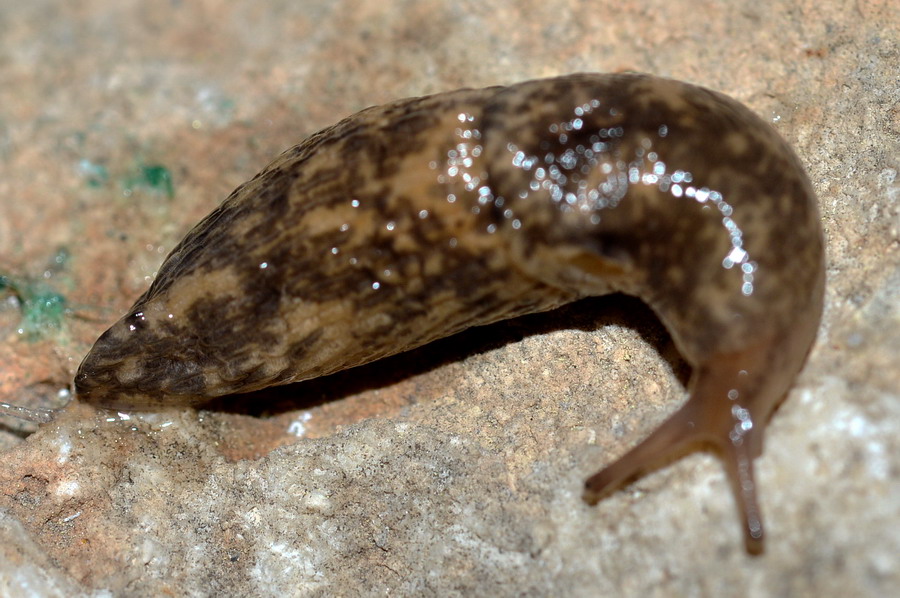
408	222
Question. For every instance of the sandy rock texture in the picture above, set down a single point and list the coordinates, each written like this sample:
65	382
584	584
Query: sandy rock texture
455	470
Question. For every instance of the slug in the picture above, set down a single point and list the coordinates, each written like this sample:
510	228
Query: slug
408	222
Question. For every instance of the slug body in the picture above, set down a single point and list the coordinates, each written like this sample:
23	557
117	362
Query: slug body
409	222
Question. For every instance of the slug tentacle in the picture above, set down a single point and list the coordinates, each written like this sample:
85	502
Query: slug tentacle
409	222
712	417
675	437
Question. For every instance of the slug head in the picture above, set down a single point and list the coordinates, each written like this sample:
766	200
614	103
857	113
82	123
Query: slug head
133	360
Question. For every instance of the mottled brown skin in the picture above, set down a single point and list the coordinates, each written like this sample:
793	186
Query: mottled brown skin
373	237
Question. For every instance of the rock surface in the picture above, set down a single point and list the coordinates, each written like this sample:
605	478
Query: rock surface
457	469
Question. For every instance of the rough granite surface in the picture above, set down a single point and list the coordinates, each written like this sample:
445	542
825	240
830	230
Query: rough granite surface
455	470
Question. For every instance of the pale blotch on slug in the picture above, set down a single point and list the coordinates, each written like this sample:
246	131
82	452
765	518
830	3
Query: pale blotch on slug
409	222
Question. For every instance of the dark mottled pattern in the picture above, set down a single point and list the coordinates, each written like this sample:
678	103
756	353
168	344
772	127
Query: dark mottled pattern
673	247
236	327
310	312
408	222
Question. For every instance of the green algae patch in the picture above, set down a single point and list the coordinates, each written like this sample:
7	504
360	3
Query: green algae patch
43	312
43	309
152	177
